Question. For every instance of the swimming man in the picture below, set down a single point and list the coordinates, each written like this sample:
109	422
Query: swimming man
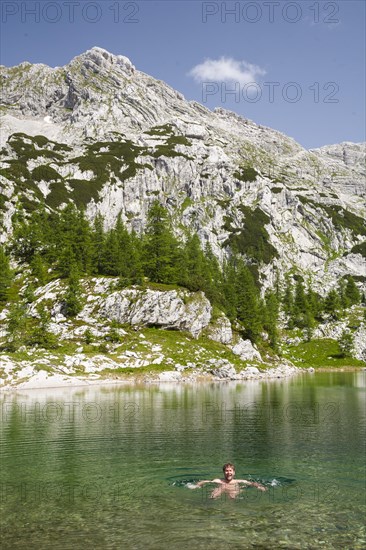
229	485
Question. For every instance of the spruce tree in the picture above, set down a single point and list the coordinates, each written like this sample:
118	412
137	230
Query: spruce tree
41	334
135	262
75	241
314	303
332	304
345	343
5	275
39	269
352	292
109	261
271	311
17	326
300	301
73	302
193	277
343	298
229	288
213	279
160	247
288	302
97	242
248	303
128	255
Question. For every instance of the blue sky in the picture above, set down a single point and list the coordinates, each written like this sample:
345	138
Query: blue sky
298	67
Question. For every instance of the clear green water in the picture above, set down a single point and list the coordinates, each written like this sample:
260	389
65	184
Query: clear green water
108	467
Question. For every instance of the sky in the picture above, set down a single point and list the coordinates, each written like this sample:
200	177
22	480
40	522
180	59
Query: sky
297	67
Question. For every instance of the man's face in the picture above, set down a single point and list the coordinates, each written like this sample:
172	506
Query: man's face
229	473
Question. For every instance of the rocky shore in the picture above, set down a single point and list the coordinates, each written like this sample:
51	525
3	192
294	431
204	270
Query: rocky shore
30	378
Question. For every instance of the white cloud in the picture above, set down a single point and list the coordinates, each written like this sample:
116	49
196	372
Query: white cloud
226	69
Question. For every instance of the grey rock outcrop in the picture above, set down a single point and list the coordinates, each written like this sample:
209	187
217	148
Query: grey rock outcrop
246	351
220	330
225	371
359	343
173	309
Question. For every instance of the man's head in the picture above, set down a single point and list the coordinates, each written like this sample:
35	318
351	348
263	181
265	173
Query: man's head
229	471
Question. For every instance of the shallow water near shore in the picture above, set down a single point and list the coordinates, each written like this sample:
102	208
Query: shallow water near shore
111	467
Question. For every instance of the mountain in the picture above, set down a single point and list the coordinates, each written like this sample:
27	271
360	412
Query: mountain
108	137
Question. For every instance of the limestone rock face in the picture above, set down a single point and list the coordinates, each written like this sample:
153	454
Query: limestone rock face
169	310
360	343
220	330
245	350
219	174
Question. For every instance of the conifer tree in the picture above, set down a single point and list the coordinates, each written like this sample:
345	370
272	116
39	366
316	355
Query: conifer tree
343	298
110	255
83	245
66	261
229	288
351	291
5	275
135	263
271	311
73	302
345	343
160	247
17	324
332	304
128	255
39	269
193	278
314	302
303	316
288	302
300	301
41	334
98	241
248	302
75	241
213	280
26	237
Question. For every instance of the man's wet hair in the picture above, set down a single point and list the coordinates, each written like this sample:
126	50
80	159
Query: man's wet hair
228	465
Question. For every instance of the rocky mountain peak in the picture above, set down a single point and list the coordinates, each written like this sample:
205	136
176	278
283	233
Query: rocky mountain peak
102	134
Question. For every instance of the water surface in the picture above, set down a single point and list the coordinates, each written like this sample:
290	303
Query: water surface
109	467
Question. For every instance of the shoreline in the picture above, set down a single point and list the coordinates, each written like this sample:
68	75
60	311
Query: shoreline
44	380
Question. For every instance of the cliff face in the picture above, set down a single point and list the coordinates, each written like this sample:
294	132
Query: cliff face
106	136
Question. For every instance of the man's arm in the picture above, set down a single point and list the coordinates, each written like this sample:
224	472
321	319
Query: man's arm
253	483
201	483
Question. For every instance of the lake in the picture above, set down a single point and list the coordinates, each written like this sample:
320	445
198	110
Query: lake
108	467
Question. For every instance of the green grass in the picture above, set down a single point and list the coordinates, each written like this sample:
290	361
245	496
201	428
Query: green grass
322	353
